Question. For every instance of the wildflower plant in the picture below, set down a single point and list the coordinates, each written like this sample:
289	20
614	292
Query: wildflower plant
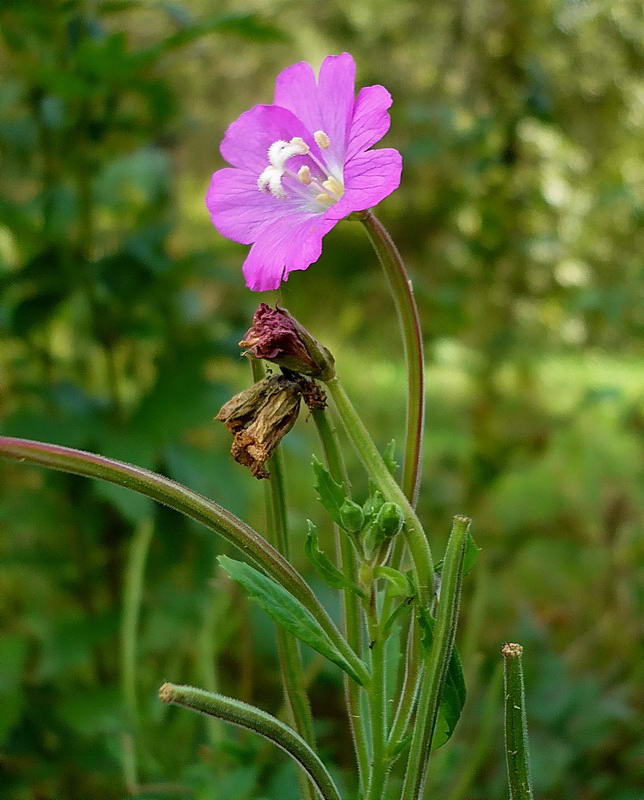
298	167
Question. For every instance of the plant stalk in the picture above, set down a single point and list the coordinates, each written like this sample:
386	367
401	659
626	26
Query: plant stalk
254	719
409	320
516	726
350	607
437	663
193	505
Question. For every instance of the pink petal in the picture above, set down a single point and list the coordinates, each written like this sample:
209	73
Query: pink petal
368	178
326	105
336	96
296	89
370	119
289	244
248	138
237	207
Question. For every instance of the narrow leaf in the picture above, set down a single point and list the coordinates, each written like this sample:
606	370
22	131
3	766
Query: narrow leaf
286	610
399	583
389	457
323	564
472	551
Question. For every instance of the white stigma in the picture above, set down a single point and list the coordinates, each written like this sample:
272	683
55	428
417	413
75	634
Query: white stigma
304	175
278	154
322	140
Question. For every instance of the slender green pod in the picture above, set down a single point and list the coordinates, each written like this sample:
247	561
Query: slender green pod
254	719
516	726
444	634
192	504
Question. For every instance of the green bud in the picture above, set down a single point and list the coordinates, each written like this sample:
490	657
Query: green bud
373	503
390	519
351	516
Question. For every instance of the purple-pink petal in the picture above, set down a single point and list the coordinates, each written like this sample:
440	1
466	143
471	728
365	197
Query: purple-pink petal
238	209
370	119
289	244
369	177
248	138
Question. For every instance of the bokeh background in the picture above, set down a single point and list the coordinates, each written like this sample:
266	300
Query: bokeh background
520	215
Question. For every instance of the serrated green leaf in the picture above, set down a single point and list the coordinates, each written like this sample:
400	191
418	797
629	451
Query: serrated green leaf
330	493
323	564
454	691
285	609
472	551
389	457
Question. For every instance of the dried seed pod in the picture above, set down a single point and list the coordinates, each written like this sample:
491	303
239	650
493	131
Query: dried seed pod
259	417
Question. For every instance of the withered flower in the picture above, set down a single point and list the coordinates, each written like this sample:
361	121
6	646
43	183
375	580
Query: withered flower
278	337
259	417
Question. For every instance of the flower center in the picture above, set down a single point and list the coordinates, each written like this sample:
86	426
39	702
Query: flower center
320	192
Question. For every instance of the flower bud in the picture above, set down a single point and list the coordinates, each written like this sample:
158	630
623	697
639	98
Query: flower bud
278	337
259	417
389	520
373	503
351	516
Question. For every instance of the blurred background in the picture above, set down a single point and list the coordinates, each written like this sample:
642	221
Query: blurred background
520	216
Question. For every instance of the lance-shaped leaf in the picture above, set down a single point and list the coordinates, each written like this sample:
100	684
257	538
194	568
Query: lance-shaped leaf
472	551
254	719
287	611
323	564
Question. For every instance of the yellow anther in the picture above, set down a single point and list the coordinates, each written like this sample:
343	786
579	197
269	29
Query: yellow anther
334	186
304	175
322	140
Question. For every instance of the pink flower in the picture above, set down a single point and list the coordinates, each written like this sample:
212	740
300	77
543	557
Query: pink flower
301	165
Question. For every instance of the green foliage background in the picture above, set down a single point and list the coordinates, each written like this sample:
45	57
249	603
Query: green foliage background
520	215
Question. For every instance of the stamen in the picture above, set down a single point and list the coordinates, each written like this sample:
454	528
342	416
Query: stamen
322	140
299	142
333	186
325	198
304	175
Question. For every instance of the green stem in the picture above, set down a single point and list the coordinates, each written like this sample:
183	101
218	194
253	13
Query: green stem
476	756
377	696
403	294
254	719
193	505
350	608
377	469
290	658
131	611
437	664
516	726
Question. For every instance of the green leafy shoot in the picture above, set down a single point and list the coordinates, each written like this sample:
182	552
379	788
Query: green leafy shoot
330	493
389	457
323	564
285	609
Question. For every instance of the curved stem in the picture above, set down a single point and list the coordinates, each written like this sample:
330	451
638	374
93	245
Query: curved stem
437	664
193	505
409	320
254	719
350	609
377	469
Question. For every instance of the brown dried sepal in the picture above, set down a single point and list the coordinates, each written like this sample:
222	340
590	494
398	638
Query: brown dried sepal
259	417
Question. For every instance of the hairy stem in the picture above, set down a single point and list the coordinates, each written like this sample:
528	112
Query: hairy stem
516	727
131	611
437	664
377	469
350	607
290	657
377	696
254	719
403	295
193	505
